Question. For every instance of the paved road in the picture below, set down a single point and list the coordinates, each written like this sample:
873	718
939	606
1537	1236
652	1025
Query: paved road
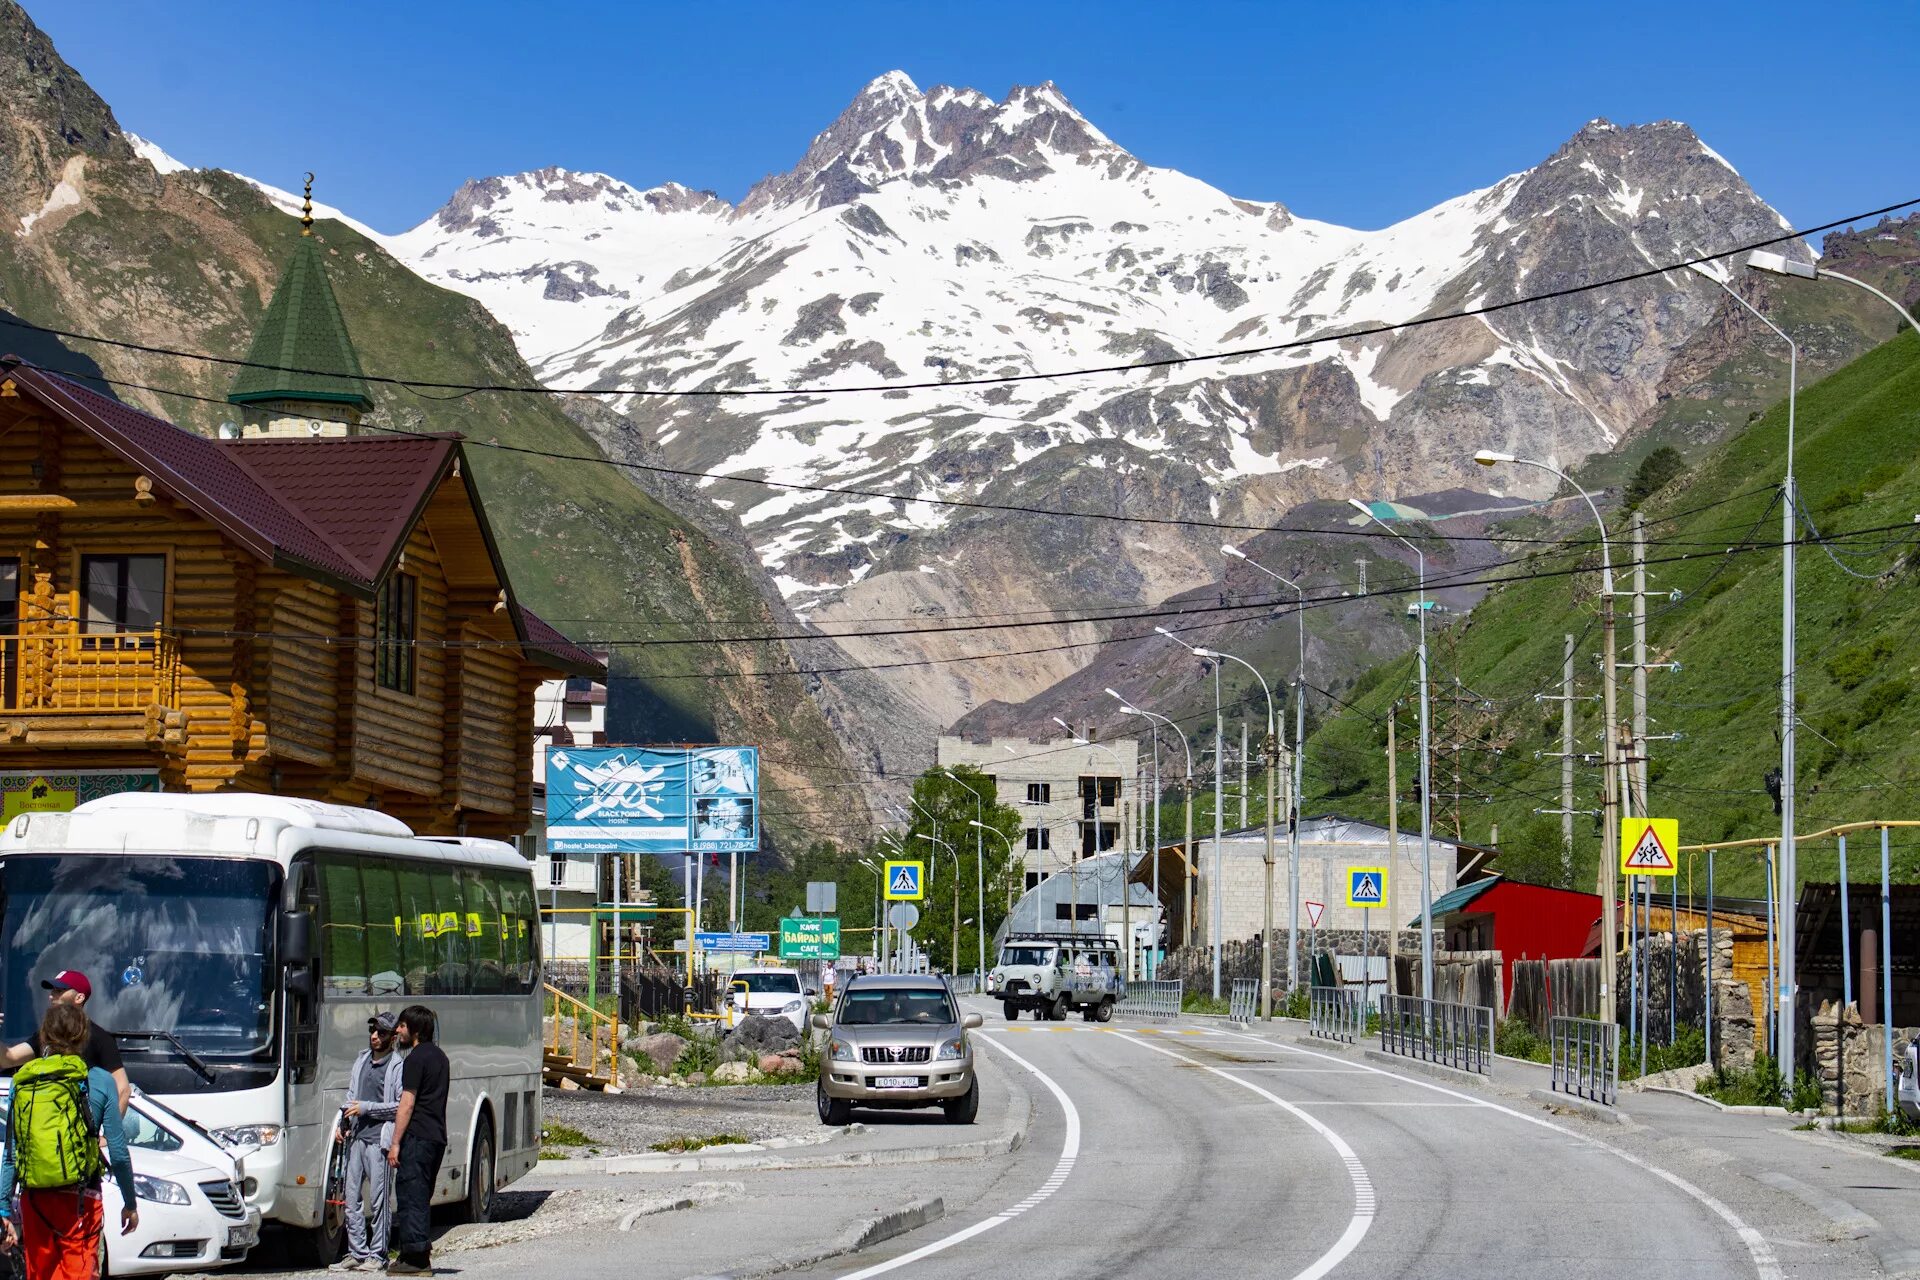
1160	1152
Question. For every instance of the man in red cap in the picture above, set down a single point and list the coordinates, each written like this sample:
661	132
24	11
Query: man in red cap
70	986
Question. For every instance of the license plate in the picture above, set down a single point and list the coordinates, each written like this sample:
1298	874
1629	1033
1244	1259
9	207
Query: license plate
896	1082
242	1237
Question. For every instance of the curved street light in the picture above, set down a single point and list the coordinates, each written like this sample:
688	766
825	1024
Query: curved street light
1299	754
1126	862
953	960
1609	749
979	876
1219	836
1186	849
1426	751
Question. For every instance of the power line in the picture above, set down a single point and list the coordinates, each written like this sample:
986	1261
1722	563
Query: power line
468	388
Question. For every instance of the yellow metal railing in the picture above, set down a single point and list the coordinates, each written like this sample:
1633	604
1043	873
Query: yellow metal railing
561	1006
74	673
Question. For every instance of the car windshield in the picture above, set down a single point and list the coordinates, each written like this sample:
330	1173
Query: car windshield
761	984
891	1007
179	945
1038	956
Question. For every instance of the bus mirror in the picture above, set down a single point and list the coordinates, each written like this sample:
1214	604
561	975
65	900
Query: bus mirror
296	938
300	983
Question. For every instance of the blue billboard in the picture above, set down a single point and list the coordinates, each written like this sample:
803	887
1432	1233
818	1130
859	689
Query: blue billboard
653	799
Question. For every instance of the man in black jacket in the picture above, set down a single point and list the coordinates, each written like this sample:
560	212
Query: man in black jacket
419	1140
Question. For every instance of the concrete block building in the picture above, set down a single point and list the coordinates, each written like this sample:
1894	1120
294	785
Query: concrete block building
1075	799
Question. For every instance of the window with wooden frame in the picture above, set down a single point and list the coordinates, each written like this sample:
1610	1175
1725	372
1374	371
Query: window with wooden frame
396	627
122	595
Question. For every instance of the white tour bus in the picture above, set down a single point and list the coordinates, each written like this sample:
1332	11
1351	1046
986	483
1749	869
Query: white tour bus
239	943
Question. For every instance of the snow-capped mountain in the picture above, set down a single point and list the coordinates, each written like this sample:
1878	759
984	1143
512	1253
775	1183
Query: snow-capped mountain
943	235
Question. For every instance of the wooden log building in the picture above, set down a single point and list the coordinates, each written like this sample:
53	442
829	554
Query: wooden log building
296	611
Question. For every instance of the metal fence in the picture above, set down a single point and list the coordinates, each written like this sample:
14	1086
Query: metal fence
1586	1058
1152	999
1243	1003
1452	1035
1336	1013
964	984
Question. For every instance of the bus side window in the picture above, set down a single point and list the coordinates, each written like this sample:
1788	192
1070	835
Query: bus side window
449	974
343	926
419	926
386	926
523	931
481	922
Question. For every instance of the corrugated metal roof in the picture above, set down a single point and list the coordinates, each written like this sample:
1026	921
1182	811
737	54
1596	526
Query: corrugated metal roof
1456	899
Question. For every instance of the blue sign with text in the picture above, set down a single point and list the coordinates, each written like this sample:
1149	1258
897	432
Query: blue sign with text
653	799
751	943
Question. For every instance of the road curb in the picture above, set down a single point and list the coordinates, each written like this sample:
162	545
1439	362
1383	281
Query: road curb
864	1235
1452	1075
1569	1104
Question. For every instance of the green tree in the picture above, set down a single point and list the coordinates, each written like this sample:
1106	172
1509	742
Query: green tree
1657	470
944	803
1532	854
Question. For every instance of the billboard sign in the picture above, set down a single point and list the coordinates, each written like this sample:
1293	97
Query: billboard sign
653	799
810	938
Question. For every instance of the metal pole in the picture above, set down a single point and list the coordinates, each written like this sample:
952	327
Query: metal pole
619	885
1709	1018
1393	852
1770	1024
1219	759
1886	968
1272	752
1673	959
1426	804
1243	771
1566	767
1153	845
1126	881
1609	798
1846	934
1293	808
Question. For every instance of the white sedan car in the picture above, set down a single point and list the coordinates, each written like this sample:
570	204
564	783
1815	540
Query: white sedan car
770	993
193	1207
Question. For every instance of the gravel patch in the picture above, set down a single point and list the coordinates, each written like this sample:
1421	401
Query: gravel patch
630	1123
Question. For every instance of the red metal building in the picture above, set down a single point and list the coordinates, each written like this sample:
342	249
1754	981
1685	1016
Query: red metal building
1520	921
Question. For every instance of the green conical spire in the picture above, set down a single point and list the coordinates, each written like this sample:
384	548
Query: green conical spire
302	330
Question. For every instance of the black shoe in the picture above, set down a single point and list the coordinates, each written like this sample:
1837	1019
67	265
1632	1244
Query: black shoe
403	1267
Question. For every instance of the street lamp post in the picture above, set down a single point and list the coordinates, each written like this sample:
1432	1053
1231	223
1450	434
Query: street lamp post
1186	855
953	958
1426	753
979	882
1299	754
1609	748
1126	862
879	877
1780	264
1219	836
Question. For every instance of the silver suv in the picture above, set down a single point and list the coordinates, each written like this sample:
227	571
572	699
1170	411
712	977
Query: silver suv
897	1041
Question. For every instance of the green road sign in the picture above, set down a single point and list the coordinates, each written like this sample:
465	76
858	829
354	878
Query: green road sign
816	938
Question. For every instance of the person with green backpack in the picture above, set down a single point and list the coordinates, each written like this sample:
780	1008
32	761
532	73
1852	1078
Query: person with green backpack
58	1111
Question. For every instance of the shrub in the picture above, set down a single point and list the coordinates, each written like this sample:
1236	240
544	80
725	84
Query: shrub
1514	1038
1656	471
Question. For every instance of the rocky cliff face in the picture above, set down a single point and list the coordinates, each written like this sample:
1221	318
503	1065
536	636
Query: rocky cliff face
943	235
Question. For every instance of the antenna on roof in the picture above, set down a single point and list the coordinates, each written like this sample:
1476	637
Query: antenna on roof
306	209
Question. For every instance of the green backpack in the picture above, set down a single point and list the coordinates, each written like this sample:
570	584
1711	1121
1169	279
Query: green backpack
55	1141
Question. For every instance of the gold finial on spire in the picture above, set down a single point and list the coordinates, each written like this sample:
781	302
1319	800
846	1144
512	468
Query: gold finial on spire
306	210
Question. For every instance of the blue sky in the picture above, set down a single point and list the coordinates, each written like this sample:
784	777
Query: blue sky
1359	114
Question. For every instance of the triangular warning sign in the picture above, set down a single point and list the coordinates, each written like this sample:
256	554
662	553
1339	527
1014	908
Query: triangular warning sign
905	881
1649	856
1313	913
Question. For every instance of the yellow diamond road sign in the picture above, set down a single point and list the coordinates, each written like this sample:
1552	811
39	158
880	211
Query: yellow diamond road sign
1649	846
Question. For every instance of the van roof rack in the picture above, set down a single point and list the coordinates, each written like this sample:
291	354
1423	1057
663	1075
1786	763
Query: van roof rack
1075	939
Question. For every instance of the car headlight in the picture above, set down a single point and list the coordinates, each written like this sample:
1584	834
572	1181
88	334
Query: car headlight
841	1051
159	1190
247	1135
794	1006
952	1051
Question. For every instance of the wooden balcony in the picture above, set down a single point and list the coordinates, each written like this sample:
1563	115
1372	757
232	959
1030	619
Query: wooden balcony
68	688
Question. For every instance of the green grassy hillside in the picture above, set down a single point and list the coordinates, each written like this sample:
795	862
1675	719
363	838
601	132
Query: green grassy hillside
1858	463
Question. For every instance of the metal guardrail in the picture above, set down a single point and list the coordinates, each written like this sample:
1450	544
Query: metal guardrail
963	984
1586	1058
1243	1003
1153	998
1452	1035
1336	1013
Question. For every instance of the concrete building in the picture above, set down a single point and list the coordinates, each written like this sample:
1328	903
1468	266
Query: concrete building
567	713
1075	800
1085	899
1330	847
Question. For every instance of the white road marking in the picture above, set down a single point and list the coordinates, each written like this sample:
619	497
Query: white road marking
1364	1203
1765	1265
1069	1152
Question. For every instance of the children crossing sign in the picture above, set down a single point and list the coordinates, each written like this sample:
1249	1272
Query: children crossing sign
906	881
1649	846
1366	886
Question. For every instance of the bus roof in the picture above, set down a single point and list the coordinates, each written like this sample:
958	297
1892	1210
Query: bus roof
236	823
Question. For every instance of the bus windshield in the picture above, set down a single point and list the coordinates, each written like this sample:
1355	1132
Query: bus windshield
181	945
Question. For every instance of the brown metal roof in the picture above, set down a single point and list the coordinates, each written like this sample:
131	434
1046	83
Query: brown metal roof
336	510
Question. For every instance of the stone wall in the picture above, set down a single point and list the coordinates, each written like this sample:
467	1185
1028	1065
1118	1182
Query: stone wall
1849	1058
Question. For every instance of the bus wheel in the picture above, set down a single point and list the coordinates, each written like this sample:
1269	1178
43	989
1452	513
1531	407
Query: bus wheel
478	1206
319	1246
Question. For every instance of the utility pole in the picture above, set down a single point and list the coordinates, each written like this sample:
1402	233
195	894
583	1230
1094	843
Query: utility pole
1566	766
1219	836
1243	773
1610	797
1393	847
1126	878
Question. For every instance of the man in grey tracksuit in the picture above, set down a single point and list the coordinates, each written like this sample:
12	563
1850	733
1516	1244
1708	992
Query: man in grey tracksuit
366	1124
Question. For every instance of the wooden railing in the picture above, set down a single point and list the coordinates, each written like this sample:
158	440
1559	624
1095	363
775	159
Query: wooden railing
74	673
570	1042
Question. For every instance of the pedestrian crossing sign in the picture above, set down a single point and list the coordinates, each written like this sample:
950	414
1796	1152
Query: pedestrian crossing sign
1649	846
906	881
1366	886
